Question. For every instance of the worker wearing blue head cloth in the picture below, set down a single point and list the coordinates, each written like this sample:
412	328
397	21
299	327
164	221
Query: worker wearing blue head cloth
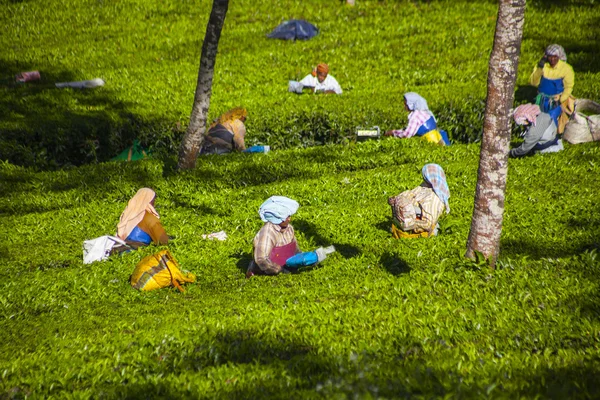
275	242
277	209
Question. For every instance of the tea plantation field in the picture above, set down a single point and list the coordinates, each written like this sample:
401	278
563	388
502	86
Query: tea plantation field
148	54
381	318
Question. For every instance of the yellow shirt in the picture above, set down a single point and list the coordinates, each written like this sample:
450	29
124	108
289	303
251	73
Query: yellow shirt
560	70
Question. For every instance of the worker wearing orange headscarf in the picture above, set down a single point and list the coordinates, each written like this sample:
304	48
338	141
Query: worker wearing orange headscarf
319	81
140	223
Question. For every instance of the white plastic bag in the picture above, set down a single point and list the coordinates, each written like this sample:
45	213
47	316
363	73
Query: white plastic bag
99	249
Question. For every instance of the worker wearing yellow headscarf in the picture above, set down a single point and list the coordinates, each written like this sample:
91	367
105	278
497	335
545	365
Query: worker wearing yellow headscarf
140	222
226	133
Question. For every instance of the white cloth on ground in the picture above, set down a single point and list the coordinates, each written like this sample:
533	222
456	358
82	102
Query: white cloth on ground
99	249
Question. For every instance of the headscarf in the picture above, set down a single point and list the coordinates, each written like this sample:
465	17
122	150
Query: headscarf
435	176
416	102
322	68
556	50
277	209
135	211
526	112
231	115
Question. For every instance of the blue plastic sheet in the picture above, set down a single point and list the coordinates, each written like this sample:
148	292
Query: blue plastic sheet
294	29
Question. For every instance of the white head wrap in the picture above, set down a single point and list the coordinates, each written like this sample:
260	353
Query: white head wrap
556	50
277	209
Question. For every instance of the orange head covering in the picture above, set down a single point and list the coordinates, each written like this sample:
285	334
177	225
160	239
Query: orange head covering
135	211
231	115
322	68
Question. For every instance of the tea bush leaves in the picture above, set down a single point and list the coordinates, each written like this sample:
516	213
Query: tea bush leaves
379	318
148	54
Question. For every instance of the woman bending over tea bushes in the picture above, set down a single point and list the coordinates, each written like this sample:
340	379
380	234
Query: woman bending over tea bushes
421	122
227	133
416	211
275	242
540	136
139	224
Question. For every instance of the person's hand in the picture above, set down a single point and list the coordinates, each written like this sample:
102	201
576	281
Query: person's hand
389	133
542	62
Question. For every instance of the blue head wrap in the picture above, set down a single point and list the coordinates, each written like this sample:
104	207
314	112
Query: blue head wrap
277	209
435	176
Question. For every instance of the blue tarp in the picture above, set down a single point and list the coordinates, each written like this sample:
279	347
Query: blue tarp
294	29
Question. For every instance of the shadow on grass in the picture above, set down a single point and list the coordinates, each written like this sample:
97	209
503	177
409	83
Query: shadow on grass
243	261
243	364
587	220
310	230
385	226
88	182
394	264
49	128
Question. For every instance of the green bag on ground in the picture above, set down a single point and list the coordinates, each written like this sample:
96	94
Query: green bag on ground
133	153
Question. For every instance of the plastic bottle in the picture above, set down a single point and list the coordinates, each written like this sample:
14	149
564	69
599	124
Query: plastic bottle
258	149
309	257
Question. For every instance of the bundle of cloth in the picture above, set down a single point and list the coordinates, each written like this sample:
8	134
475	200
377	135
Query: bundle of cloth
584	124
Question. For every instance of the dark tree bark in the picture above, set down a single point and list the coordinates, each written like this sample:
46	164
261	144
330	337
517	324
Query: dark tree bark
194	136
486	224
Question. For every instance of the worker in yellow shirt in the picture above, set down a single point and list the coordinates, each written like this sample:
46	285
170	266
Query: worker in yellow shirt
554	79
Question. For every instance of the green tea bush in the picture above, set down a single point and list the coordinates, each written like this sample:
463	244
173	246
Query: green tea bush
379	318
148	54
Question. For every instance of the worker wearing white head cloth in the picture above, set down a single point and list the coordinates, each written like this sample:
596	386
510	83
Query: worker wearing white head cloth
554	79
276	241
421	121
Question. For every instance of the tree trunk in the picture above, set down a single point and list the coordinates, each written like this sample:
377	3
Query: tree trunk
486	225
194	136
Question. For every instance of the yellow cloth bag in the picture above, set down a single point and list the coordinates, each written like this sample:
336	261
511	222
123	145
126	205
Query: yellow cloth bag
158	271
400	234
434	136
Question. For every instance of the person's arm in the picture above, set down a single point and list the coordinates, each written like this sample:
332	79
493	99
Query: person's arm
536	76
333	86
239	134
415	120
263	245
568	82
533	135
308	81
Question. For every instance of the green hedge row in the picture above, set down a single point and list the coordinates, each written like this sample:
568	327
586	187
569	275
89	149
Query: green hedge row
148	54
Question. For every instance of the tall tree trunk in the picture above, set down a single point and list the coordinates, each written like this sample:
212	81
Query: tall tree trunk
486	225
194	136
